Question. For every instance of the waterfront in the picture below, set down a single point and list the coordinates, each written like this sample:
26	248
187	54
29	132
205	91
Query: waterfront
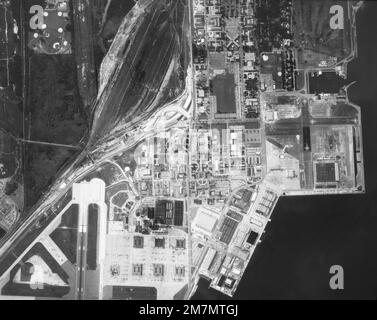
308	235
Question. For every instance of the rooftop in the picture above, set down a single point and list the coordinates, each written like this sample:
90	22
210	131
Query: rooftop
205	221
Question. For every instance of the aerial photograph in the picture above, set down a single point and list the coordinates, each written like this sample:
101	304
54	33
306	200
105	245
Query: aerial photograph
191	150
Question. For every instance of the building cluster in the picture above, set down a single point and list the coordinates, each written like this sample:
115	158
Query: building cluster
149	261
201	60
226	66
230	55
225	56
274	41
235	62
250	63
251	90
334	157
147	240
162	165
221	155
231	235
274	23
226	145
8	213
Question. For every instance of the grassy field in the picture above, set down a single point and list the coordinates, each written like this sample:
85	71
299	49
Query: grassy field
312	32
56	115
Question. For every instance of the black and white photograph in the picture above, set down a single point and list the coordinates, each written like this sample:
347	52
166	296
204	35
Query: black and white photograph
195	153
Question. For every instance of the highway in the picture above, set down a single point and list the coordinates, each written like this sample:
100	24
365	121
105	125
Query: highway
115	91
72	175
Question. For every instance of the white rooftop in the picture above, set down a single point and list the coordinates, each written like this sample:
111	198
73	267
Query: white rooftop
204	222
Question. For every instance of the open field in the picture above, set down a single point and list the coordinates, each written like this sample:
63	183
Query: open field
312	33
224	90
55	115
54	103
41	165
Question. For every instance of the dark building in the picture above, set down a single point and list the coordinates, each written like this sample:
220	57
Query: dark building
159	243
227	282
150	213
164	212
181	244
234	215
178	213
227	229
138	242
325	172
27	270
252	239
160	213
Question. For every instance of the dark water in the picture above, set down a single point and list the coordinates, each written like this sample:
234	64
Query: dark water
308	235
